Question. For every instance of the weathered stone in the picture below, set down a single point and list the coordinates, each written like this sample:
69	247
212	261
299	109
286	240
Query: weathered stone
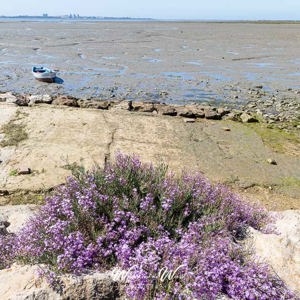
36	99
8	98
190	111
189	120
247	118
3	225
271	161
143	106
22	282
282	249
163	93
233	116
91	286
16	215
123	105
212	115
65	100
226	129
223	111
21	101
4	193
26	171
93	104
166	110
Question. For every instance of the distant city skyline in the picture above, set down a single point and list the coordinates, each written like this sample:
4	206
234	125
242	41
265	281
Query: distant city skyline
166	9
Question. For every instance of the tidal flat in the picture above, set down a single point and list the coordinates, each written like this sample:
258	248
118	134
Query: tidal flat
173	62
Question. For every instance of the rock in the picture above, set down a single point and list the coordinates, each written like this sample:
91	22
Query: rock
3	225
212	115
226	128
166	110
65	100
16	215
143	106
92	286
282	250
163	93
247	118
223	111
189	120
26	171
8	98
36	99
22	282
271	161
258	86
93	104
190	111
4	193
22	101
123	105
233	116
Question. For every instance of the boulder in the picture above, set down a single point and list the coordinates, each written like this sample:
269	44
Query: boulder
282	250
8	98
166	110
191	111
22	282
233	115
65	100
122	105
212	115
93	104
3	227
143	106
16	215
36	99
223	111
247	118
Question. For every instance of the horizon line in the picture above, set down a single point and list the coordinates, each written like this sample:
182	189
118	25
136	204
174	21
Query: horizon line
77	16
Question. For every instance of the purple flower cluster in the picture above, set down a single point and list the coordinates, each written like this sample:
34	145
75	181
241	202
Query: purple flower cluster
143	219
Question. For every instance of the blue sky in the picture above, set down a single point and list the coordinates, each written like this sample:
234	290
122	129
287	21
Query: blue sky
164	9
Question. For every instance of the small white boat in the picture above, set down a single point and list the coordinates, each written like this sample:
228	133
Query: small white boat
44	74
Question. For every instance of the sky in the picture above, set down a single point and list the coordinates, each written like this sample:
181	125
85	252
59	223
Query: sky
159	9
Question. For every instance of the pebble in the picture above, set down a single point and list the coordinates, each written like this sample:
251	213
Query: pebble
189	120
271	161
25	171
226	129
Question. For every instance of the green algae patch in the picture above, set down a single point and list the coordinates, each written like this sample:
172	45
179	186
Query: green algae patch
14	132
279	140
24	197
291	181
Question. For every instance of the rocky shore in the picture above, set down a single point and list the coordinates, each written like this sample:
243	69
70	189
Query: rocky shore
274	110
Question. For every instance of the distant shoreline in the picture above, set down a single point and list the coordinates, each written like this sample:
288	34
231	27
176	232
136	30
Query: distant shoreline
128	19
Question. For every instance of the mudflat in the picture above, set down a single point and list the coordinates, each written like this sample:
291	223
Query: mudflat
176	62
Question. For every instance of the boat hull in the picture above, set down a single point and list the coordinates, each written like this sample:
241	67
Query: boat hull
49	80
43	74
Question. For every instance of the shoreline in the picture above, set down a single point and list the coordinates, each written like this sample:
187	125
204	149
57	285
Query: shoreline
285	113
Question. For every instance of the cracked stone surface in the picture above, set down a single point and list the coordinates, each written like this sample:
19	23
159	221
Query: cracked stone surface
60	136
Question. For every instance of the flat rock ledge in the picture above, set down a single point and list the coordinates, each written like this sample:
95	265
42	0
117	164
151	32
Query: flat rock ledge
23	283
281	251
193	111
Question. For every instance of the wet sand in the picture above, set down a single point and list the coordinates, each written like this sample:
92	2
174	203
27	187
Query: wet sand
166	61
